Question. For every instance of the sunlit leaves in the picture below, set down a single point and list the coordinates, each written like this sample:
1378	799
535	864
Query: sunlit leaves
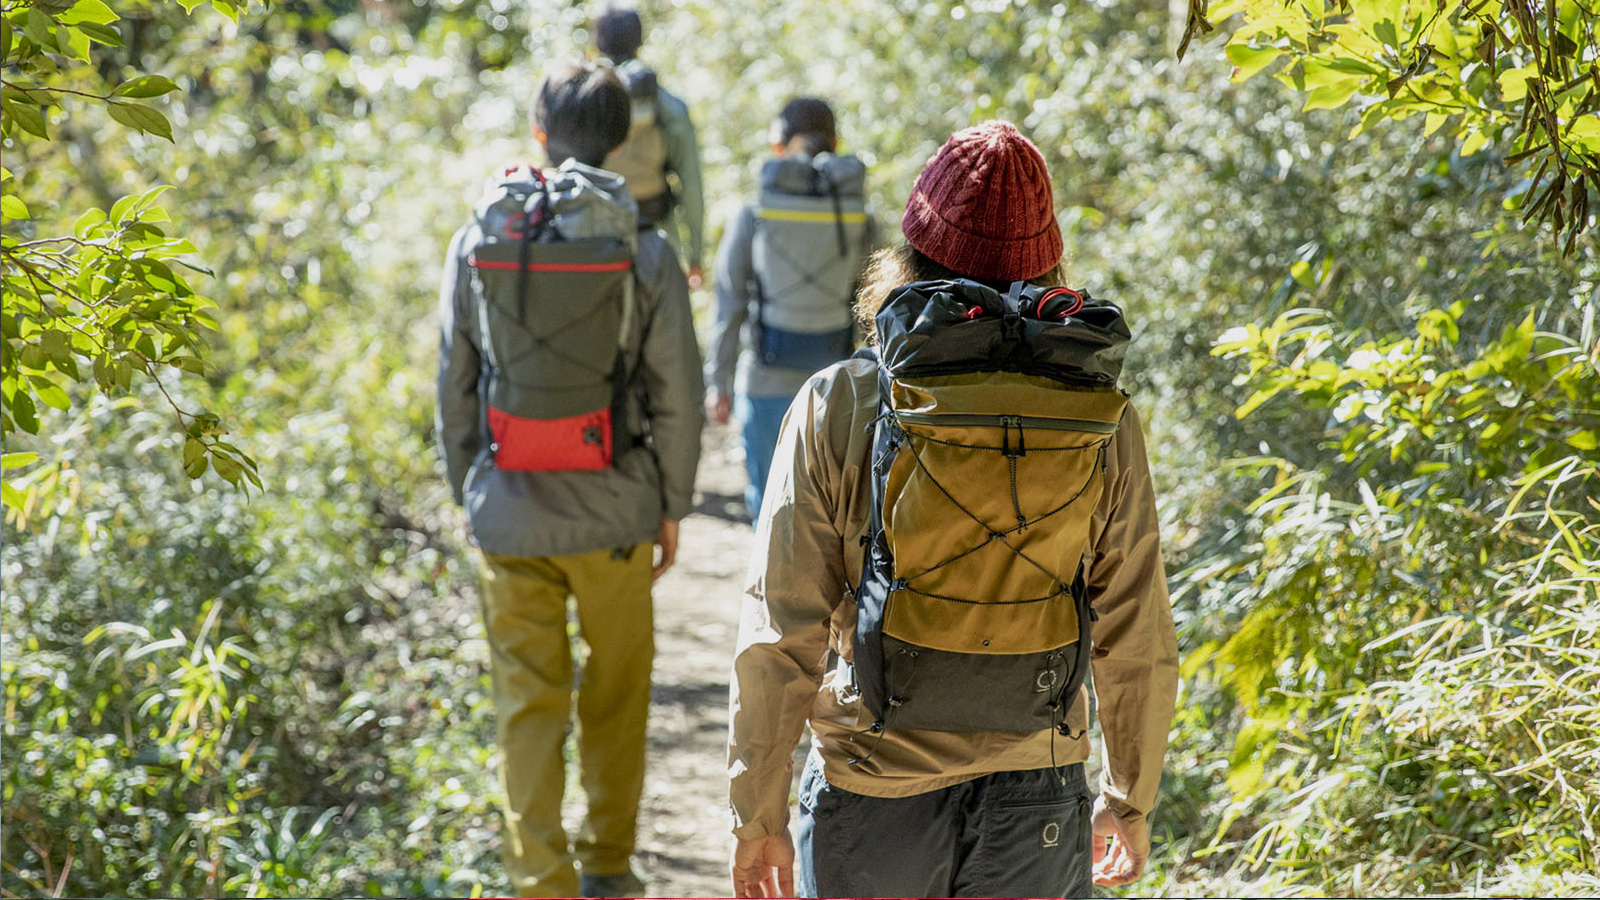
90	311
1423	583
1514	72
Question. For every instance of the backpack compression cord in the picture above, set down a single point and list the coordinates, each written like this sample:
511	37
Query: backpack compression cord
554	282
973	608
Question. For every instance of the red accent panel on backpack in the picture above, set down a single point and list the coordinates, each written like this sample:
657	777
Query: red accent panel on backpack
577	443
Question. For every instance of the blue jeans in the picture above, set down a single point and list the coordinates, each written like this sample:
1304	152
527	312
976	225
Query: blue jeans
1007	834
760	419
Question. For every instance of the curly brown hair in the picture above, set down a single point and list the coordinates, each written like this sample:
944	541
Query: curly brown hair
902	264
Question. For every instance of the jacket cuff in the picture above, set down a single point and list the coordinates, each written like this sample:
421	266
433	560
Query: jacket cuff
759	827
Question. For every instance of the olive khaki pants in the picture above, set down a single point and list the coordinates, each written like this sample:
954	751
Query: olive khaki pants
525	617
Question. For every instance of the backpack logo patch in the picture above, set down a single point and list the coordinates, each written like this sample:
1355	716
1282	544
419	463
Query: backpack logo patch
1051	835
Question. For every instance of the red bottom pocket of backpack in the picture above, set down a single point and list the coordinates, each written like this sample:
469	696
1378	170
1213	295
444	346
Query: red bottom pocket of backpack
577	443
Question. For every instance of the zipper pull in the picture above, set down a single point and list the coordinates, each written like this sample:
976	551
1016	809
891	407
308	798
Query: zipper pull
1007	423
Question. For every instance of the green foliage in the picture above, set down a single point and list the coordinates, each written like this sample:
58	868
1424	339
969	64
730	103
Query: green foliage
90	308
1417	662
288	696
1520	76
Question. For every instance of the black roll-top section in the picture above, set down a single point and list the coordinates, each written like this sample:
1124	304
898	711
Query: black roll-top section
951	326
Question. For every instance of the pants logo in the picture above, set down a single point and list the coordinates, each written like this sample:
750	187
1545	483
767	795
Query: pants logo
1051	837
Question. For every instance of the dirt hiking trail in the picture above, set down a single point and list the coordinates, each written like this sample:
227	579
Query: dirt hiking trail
683	819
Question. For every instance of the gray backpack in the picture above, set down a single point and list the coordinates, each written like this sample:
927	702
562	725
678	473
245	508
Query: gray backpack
553	279
809	245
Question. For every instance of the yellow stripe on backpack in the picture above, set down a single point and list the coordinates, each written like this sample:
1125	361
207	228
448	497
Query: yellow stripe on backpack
800	215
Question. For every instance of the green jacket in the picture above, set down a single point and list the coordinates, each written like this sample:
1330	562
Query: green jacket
683	160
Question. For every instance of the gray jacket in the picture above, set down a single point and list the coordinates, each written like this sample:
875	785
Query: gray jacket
535	514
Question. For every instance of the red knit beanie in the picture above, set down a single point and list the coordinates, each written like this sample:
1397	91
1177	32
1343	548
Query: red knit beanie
982	206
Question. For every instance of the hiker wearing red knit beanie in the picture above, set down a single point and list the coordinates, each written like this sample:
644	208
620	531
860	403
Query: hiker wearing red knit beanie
893	600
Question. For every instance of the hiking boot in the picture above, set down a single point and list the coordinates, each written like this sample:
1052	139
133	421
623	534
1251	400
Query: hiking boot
621	884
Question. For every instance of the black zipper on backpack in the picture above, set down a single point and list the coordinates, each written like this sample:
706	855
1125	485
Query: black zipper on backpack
1049	424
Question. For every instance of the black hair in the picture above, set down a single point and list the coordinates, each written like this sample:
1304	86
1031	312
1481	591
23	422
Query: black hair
809	118
618	33
584	112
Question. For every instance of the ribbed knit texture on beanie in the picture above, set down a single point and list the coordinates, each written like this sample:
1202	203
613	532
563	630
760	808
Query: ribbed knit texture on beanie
982	206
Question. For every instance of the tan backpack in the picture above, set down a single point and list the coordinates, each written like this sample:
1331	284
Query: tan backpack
641	160
989	457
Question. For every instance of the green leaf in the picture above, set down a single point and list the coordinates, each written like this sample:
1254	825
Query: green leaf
5	38
197	468
73	42
1334	95
55	345
51	393
12	207
91	11
1473	143
1249	60
1585	440
40	28
11	496
121	208
1387	32
145	86
141	118
18	460
193	451
24	413
101	34
227	468
1585	131
29	118
1514	83
91	219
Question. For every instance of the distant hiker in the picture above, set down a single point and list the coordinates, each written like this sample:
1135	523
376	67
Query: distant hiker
661	140
955	529
786	275
569	420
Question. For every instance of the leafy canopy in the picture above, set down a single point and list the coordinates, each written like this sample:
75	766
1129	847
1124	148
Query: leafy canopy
1520	73
89	311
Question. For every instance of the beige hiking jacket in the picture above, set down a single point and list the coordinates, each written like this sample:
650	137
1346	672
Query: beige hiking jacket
798	625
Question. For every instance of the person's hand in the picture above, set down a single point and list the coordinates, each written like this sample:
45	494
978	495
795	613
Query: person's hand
719	407
763	868
697	277
1123	861
667	540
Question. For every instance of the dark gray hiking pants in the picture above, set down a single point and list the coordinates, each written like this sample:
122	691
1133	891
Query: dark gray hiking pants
1009	834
